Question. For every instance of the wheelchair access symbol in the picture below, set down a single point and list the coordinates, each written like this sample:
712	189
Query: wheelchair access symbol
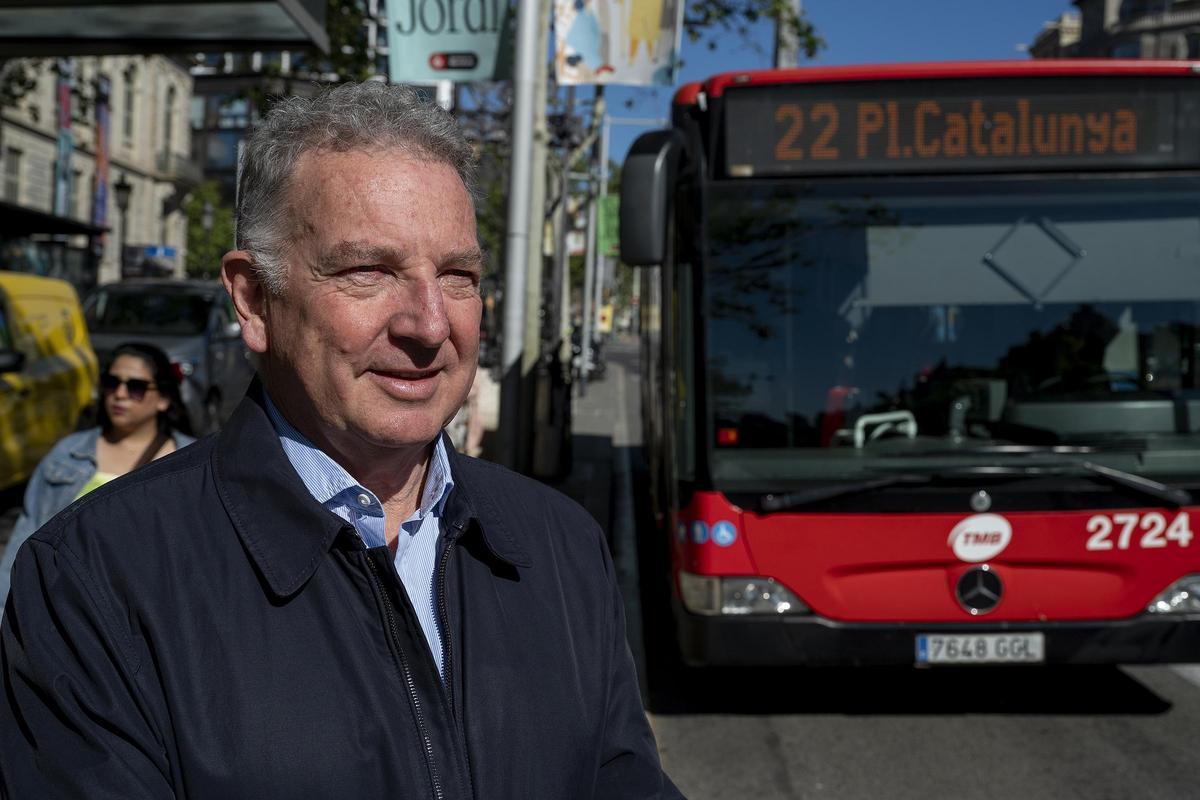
724	533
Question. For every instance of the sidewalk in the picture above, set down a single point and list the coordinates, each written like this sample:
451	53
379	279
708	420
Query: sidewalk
604	425
604	420
606	429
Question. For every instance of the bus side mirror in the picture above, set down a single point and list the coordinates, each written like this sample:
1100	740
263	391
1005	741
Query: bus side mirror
647	186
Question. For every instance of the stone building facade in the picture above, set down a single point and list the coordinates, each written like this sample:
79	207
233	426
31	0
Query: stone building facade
222	108
1123	29
148	149
227	83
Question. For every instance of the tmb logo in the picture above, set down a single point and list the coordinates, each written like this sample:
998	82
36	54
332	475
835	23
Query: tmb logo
980	537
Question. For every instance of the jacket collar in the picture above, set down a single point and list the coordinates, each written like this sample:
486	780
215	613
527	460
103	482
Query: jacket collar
471	500
84	448
286	531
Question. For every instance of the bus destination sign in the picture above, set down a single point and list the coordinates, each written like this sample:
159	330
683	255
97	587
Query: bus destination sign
956	126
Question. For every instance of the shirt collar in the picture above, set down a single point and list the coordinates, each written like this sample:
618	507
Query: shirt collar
273	512
326	480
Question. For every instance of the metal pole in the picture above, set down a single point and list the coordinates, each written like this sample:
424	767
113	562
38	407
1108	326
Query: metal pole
562	272
516	258
787	49
531	383
601	258
589	267
589	281
561	307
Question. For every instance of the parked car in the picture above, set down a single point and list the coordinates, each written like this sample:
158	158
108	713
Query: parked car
194	324
47	370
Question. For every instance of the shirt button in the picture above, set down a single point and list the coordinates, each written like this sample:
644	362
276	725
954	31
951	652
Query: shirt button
364	500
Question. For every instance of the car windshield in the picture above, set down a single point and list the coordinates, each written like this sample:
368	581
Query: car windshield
151	312
857	322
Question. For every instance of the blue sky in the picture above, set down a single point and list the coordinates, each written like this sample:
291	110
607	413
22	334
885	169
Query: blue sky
856	31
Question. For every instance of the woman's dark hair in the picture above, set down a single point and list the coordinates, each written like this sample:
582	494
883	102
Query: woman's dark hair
175	417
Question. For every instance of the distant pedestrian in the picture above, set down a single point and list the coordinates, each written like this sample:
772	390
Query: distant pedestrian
325	600
141	418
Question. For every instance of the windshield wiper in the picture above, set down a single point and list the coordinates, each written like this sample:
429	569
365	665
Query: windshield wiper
817	494
1169	495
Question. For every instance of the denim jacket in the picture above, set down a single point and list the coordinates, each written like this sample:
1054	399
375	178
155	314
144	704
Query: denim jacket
53	486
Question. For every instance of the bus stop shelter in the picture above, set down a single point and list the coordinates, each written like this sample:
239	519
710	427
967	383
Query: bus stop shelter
47	28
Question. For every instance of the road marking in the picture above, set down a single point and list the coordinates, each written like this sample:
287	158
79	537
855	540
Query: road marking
1189	672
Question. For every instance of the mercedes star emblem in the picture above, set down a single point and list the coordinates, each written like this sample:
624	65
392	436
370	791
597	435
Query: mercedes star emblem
979	590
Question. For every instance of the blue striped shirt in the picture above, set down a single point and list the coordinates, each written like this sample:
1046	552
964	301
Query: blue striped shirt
416	545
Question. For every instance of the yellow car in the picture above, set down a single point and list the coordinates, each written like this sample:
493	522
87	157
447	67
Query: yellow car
47	370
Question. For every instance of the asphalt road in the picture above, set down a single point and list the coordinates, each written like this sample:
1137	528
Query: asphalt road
770	734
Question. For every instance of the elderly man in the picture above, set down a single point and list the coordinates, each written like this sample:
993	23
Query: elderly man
324	600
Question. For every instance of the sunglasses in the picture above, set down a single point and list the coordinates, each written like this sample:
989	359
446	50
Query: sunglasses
136	387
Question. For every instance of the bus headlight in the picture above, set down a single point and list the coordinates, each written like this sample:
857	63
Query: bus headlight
1181	597
705	594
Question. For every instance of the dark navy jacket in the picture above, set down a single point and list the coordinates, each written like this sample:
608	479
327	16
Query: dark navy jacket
203	628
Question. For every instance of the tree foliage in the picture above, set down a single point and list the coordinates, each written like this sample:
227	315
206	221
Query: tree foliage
18	77
702	19
491	208
207	239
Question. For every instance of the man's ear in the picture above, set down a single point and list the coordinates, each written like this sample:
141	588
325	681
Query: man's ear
249	297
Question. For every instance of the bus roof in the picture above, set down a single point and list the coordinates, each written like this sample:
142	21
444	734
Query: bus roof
716	85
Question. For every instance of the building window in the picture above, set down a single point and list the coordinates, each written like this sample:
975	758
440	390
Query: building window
199	122
221	150
73	209
209	63
239	63
233	113
130	97
169	120
1131	9
12	174
1126	50
1193	44
301	64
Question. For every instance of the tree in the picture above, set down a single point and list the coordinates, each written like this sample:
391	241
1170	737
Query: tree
492	206
18	77
209	230
702	16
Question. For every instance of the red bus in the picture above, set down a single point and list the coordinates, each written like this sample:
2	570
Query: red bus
921	347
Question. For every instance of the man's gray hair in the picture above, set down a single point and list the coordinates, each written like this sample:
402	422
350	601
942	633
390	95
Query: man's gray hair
352	116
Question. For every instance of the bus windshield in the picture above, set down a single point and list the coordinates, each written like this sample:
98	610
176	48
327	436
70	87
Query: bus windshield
851	321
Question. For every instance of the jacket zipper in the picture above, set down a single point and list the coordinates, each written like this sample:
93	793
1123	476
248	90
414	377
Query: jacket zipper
448	653
406	675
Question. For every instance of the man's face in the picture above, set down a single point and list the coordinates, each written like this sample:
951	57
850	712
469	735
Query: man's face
372	345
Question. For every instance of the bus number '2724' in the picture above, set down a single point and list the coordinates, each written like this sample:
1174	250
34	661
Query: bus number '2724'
1151	528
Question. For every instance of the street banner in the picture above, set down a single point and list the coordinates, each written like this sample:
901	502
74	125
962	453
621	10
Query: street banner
100	180
66	139
608	236
450	40
617	41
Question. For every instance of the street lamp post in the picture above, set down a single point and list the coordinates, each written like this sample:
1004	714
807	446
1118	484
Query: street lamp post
121	191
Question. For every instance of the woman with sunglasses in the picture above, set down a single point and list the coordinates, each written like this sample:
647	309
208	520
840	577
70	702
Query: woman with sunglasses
141	418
